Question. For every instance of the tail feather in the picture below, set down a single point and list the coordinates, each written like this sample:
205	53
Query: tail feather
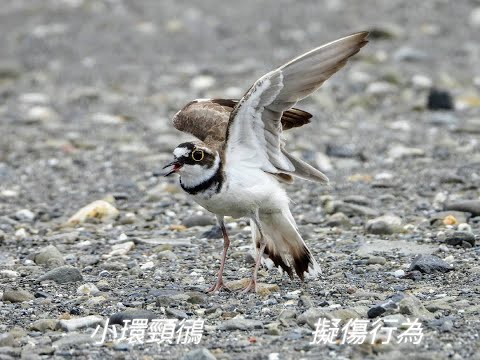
285	246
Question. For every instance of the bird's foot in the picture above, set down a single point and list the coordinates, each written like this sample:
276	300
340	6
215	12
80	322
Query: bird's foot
217	286
252	286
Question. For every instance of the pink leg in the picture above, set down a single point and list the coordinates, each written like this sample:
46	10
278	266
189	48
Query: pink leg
252	286
226	244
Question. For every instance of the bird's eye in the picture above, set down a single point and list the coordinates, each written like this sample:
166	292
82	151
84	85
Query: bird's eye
197	155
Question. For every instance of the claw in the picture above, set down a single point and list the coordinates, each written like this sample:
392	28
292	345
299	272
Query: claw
252	286
218	285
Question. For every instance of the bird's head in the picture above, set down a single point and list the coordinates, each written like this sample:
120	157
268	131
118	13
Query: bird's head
192	160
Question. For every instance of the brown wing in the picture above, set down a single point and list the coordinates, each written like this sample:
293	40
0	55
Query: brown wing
207	120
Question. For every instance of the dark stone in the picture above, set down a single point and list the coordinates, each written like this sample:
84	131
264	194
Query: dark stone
414	275
214	233
428	264
439	100
131	314
178	314
459	237
375	311
470	206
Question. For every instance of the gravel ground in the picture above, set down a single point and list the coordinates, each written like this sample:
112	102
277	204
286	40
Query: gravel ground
87	91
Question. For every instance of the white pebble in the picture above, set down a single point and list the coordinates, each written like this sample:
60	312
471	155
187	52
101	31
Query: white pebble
9	274
464	227
148	265
24	215
399	273
202	82
21	234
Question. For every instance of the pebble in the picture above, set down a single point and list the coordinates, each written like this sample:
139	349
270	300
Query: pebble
21	234
80	323
239	323
401	151
390	305
202	82
428	264
384	225
49	256
71	340
376	260
380	88
409	54
471	206
7	339
120	249
338	219
11	274
199	354
463	238
62	275
176	313
199	220
421	82
99	209
131	314
40	114
167	255
335	206
87	289
17	295
475	18
311	316
439	100
24	215
399	273
44	325
411	306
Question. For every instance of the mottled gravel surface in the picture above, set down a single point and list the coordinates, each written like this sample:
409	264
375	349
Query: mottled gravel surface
87	91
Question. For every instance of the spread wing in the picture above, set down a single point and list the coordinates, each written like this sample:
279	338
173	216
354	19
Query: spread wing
207	119
254	128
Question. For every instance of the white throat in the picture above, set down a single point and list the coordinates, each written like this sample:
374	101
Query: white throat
194	175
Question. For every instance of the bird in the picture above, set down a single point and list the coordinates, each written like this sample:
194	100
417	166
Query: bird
238	164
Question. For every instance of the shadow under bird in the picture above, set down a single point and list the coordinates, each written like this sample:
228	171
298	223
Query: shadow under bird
239	162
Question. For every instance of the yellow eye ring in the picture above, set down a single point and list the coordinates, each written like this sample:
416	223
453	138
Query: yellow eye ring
197	155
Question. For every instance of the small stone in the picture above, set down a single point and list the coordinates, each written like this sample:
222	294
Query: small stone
99	209
7	339
399	273
241	324
21	234
400	152
332	207
409	54
44	325
49	256
62	275
121	249
384	225
79	323
167	255
375	311
41	114
428	264
458	237
9	274
421	82
202	82
471	206
380	88
338	219
475	18
176	313
24	215
413	307
311	316
199	354
74	339
87	289
376	260
118	318
18	295
199	220
439	100
390	305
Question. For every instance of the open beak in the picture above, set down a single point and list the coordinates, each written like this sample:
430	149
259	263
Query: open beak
169	169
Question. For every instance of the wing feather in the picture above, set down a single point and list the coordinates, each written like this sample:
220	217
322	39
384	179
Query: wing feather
258	119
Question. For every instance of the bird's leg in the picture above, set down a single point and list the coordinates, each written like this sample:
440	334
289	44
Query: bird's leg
226	244
252	286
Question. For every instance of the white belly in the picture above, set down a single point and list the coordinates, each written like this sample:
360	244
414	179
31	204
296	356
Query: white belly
243	193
